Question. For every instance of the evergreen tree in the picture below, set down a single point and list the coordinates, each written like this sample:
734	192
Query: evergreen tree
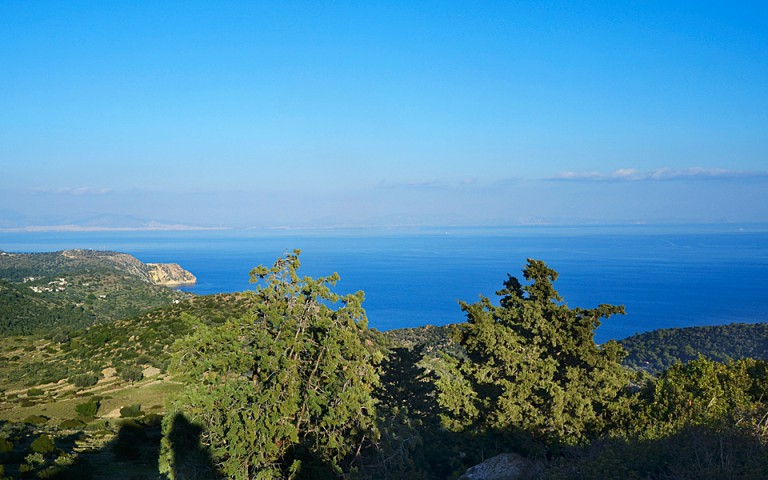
704	392
285	391
533	366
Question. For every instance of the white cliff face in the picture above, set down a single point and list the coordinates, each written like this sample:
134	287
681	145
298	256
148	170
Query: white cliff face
170	274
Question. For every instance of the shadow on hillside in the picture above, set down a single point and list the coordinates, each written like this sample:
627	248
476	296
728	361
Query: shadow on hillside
191	461
406	385
131	455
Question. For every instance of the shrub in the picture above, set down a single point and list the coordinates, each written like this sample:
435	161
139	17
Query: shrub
131	411
131	373
36	458
85	380
144	359
5	445
152	420
36	420
71	424
34	392
89	408
43	445
164	365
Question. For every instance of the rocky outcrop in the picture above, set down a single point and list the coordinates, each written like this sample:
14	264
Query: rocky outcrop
170	274
20	267
506	466
120	261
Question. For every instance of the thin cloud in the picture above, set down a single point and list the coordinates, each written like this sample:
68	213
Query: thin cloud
75	191
428	184
659	174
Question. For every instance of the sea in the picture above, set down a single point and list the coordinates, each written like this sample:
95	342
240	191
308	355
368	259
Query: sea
665	276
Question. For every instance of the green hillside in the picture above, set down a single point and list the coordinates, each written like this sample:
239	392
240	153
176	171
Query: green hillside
23	311
18	267
658	350
141	340
45	292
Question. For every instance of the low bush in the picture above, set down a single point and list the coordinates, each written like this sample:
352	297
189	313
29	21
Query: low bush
5	445
84	380
131	411
36	420
152	420
131	373
89	408
34	392
71	424
43	445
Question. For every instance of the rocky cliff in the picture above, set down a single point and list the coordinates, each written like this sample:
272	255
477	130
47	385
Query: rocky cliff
170	274
16	267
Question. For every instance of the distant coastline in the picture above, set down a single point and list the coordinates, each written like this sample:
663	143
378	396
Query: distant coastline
533	227
85	229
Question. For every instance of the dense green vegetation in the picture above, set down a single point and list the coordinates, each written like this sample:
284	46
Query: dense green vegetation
532	364
23	312
17	267
45	292
287	382
284	390
144	339
658	350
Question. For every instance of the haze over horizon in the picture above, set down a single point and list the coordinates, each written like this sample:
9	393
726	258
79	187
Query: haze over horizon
307	114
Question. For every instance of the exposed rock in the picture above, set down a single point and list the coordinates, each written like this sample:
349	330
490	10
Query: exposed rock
506	466
170	274
121	261
27	266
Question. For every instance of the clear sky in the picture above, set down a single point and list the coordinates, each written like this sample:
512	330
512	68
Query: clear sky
135	114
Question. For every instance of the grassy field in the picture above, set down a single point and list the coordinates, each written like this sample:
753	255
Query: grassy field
106	445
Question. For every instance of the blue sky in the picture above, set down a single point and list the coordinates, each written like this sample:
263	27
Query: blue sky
237	114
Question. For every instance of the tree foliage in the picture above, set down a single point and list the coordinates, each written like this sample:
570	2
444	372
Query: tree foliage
707	393
533	365
285	391
89	408
658	350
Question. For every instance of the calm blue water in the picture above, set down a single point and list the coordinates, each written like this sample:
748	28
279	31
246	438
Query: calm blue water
666	277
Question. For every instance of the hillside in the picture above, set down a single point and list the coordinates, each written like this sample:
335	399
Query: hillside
658	350
141	340
72	289
18	267
653	351
122	366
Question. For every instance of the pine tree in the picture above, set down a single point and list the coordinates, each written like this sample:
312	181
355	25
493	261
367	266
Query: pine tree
286	391
532	365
